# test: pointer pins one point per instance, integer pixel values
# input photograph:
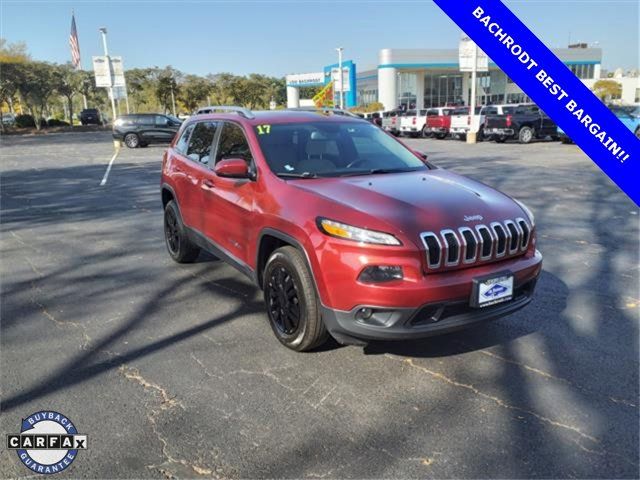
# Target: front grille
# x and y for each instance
(451, 248)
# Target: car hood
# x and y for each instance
(416, 202)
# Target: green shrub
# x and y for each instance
(25, 121)
(54, 122)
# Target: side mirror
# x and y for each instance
(422, 155)
(232, 168)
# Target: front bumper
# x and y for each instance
(441, 310)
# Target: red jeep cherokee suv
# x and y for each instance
(347, 231)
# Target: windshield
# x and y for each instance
(315, 149)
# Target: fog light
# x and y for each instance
(364, 314)
(380, 274)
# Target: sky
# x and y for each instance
(285, 36)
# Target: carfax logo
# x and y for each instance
(48, 442)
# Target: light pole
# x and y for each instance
(472, 134)
(103, 31)
(340, 49)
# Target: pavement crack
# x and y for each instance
(167, 403)
(498, 401)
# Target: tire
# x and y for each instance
(526, 134)
(480, 137)
(180, 248)
(423, 132)
(637, 132)
(293, 307)
(500, 139)
(132, 140)
(441, 136)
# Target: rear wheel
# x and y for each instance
(441, 136)
(526, 134)
(132, 140)
(178, 244)
(424, 133)
(292, 304)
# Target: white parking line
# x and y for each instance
(106, 174)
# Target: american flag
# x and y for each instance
(74, 44)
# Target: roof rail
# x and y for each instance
(335, 111)
(245, 112)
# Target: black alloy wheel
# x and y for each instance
(283, 301)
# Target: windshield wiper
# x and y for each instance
(374, 171)
(297, 175)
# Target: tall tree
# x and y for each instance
(607, 89)
(193, 91)
(68, 82)
(36, 83)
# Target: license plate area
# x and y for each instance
(491, 289)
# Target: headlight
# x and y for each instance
(527, 211)
(348, 232)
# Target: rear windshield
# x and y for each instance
(333, 149)
(90, 110)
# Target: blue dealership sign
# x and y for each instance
(544, 78)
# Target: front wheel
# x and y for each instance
(292, 304)
(132, 140)
(526, 135)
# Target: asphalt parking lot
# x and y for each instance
(173, 371)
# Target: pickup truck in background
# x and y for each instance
(391, 121)
(461, 121)
(525, 123)
(438, 122)
(412, 122)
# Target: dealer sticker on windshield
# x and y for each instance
(491, 290)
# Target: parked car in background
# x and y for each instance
(412, 122)
(8, 119)
(564, 138)
(627, 117)
(90, 116)
(374, 117)
(525, 123)
(461, 121)
(438, 122)
(391, 121)
(141, 129)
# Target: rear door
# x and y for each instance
(146, 127)
(228, 202)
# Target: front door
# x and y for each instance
(228, 202)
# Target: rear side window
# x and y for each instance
(182, 144)
(146, 120)
(201, 142)
(432, 113)
(233, 144)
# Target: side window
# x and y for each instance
(146, 120)
(181, 145)
(233, 144)
(201, 142)
(161, 121)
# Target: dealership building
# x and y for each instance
(430, 78)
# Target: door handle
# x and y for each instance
(208, 185)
